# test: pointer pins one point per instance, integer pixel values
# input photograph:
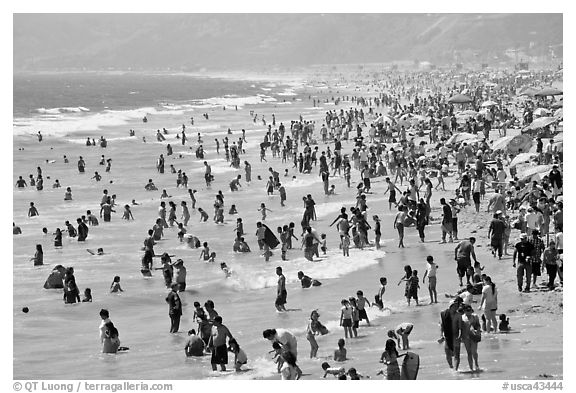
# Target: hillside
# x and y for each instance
(234, 41)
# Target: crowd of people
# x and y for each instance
(405, 136)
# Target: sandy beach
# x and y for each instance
(246, 299)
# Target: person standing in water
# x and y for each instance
(281, 293)
(218, 344)
(174, 308)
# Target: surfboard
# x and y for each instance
(270, 238)
(410, 366)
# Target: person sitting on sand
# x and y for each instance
(504, 325)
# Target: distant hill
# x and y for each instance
(236, 41)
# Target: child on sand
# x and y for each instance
(212, 257)
(345, 244)
(431, 273)
(340, 353)
(264, 209)
(233, 210)
(115, 286)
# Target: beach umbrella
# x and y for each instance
(528, 91)
(557, 104)
(541, 122)
(489, 103)
(522, 158)
(540, 112)
(459, 99)
(463, 136)
(548, 91)
(559, 114)
(530, 171)
(502, 143)
(468, 112)
(520, 142)
(384, 118)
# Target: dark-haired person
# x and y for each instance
(489, 303)
(462, 255)
(218, 344)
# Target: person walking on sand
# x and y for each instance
(470, 334)
(496, 234)
(463, 254)
(523, 250)
(431, 269)
(450, 325)
(174, 308)
(446, 221)
(281, 293)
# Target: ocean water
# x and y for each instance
(59, 103)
